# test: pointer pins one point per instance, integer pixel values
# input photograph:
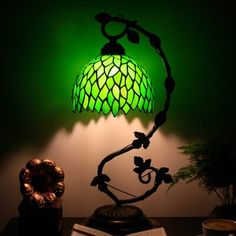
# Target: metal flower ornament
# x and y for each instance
(114, 82)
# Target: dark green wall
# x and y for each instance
(46, 43)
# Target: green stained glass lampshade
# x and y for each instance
(110, 83)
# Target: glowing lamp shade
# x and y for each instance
(110, 83)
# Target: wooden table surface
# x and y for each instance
(174, 226)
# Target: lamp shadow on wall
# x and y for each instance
(23, 127)
(31, 129)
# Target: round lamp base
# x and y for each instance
(120, 220)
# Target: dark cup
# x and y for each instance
(219, 227)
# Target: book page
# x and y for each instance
(151, 232)
(81, 230)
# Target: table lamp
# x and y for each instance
(114, 82)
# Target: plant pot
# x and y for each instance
(224, 212)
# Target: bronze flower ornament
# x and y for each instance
(41, 182)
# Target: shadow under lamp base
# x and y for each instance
(120, 220)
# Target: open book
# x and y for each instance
(81, 230)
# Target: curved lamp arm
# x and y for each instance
(142, 140)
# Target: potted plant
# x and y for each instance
(213, 165)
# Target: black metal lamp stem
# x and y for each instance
(142, 140)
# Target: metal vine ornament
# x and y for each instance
(112, 82)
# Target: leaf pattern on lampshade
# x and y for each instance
(110, 83)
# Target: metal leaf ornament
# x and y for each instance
(102, 17)
(133, 36)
